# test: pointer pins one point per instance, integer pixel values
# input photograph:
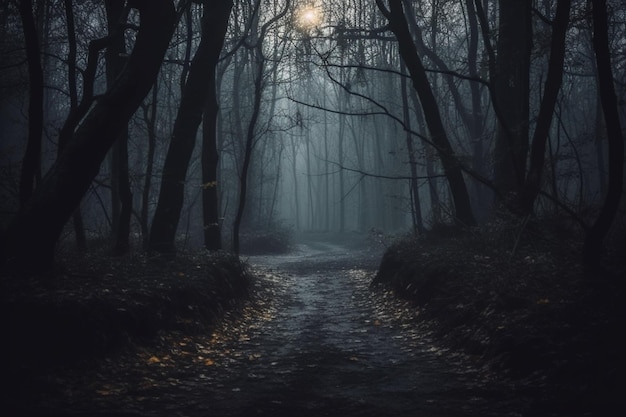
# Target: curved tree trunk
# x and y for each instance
(546, 111)
(171, 196)
(593, 246)
(79, 228)
(32, 235)
(398, 25)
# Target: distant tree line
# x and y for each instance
(192, 123)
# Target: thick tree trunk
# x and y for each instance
(452, 170)
(121, 196)
(546, 110)
(482, 196)
(594, 240)
(31, 237)
(171, 196)
(511, 85)
(210, 156)
(31, 164)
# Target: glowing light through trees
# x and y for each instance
(308, 17)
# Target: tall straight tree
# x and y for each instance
(251, 134)
(121, 197)
(594, 240)
(210, 156)
(511, 88)
(30, 239)
(452, 170)
(194, 98)
(79, 228)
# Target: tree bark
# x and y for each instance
(593, 247)
(398, 25)
(31, 237)
(194, 98)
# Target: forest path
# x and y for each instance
(333, 347)
(314, 340)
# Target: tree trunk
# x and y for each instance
(593, 246)
(210, 157)
(31, 164)
(511, 85)
(79, 228)
(482, 196)
(31, 237)
(193, 101)
(121, 196)
(452, 170)
(150, 115)
(418, 223)
(247, 157)
(546, 110)
(252, 124)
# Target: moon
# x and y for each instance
(308, 17)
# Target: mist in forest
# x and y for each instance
(296, 116)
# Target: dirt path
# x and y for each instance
(334, 348)
(316, 341)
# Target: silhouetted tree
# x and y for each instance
(31, 164)
(121, 196)
(594, 241)
(194, 98)
(210, 156)
(31, 237)
(398, 25)
(251, 133)
(546, 110)
(511, 85)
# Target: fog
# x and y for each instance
(316, 103)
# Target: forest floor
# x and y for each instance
(516, 300)
(494, 323)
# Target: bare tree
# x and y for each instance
(398, 25)
(594, 240)
(251, 134)
(31, 164)
(31, 237)
(194, 98)
(121, 196)
(546, 111)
